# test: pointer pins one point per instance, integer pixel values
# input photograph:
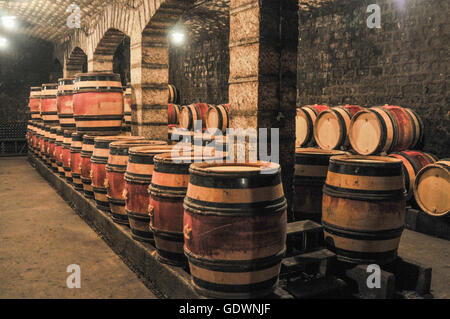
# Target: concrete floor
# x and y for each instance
(41, 235)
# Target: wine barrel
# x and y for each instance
(98, 103)
(127, 108)
(99, 159)
(235, 228)
(432, 188)
(75, 160)
(51, 149)
(172, 134)
(311, 167)
(173, 94)
(332, 126)
(173, 113)
(42, 143)
(363, 208)
(167, 191)
(413, 162)
(64, 103)
(46, 139)
(304, 124)
(385, 129)
(218, 118)
(138, 177)
(192, 113)
(66, 155)
(86, 152)
(35, 102)
(49, 110)
(58, 151)
(115, 171)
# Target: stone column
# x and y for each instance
(262, 87)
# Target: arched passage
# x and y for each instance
(75, 63)
(103, 56)
(150, 71)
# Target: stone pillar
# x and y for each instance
(262, 89)
(100, 63)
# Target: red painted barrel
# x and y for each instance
(35, 102)
(49, 110)
(51, 149)
(138, 177)
(413, 162)
(173, 113)
(98, 103)
(46, 138)
(99, 160)
(75, 160)
(86, 153)
(235, 228)
(192, 113)
(58, 151)
(64, 103)
(66, 156)
(115, 171)
(167, 191)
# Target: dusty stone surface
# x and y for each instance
(41, 235)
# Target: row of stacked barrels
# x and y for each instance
(385, 130)
(180, 201)
(213, 117)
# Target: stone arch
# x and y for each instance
(150, 70)
(75, 63)
(103, 55)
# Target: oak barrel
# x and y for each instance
(64, 103)
(86, 152)
(385, 129)
(332, 127)
(192, 113)
(138, 177)
(167, 191)
(432, 188)
(311, 167)
(304, 124)
(174, 96)
(99, 159)
(218, 118)
(58, 151)
(46, 138)
(235, 228)
(35, 102)
(98, 103)
(363, 208)
(413, 162)
(75, 160)
(66, 155)
(49, 110)
(115, 171)
(173, 113)
(127, 108)
(51, 149)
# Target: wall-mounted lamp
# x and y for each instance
(9, 22)
(177, 36)
(3, 42)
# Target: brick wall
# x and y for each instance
(404, 63)
(200, 70)
(26, 62)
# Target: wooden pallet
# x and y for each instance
(311, 271)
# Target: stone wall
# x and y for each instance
(405, 62)
(200, 70)
(26, 62)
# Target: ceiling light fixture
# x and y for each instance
(3, 42)
(9, 22)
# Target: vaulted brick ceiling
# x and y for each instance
(47, 19)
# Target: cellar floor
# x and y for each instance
(41, 235)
